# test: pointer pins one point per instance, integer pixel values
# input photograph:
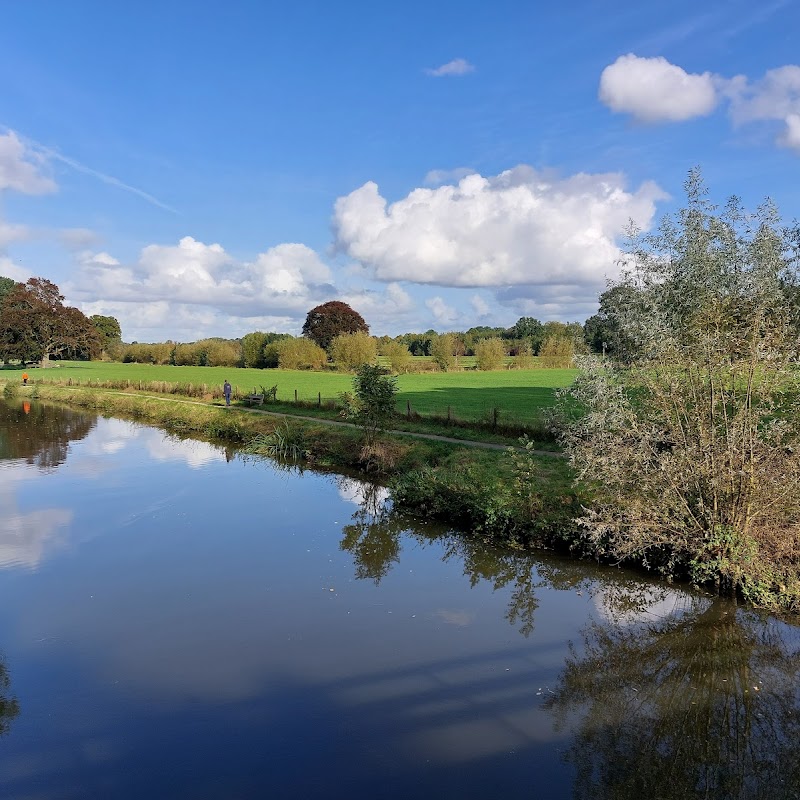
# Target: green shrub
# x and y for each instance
(301, 353)
(349, 351)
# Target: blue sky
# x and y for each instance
(198, 168)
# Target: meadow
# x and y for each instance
(518, 395)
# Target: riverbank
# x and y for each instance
(522, 501)
(512, 496)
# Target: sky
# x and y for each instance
(204, 169)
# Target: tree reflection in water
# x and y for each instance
(41, 435)
(703, 703)
(9, 706)
(373, 539)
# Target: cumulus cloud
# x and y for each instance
(285, 278)
(520, 227)
(653, 90)
(21, 168)
(775, 97)
(456, 67)
(479, 306)
(443, 313)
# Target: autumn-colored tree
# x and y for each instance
(35, 324)
(349, 351)
(324, 323)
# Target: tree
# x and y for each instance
(443, 350)
(490, 354)
(109, 331)
(398, 356)
(691, 451)
(300, 354)
(372, 402)
(253, 349)
(35, 324)
(350, 350)
(530, 329)
(6, 285)
(324, 323)
(602, 332)
(557, 352)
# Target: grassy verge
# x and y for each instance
(486, 493)
(505, 397)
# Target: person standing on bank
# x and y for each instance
(226, 390)
(24, 378)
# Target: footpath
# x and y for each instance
(321, 421)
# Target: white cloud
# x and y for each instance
(284, 279)
(443, 313)
(519, 227)
(775, 97)
(479, 305)
(791, 136)
(20, 167)
(653, 90)
(10, 232)
(458, 66)
(8, 269)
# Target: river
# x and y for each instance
(179, 621)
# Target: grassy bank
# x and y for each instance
(519, 396)
(483, 492)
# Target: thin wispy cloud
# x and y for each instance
(110, 180)
(454, 68)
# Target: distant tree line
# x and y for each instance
(36, 325)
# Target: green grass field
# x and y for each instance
(471, 395)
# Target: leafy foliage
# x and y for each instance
(691, 451)
(35, 325)
(443, 349)
(398, 356)
(350, 350)
(372, 402)
(300, 354)
(490, 354)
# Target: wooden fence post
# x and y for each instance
(319, 399)
(408, 409)
(295, 395)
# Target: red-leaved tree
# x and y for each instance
(324, 323)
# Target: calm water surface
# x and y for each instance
(178, 622)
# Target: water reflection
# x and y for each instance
(374, 540)
(40, 434)
(9, 705)
(703, 703)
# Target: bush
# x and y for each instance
(443, 350)
(349, 351)
(556, 352)
(490, 354)
(372, 401)
(300, 353)
(690, 449)
(398, 356)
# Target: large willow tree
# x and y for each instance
(689, 450)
